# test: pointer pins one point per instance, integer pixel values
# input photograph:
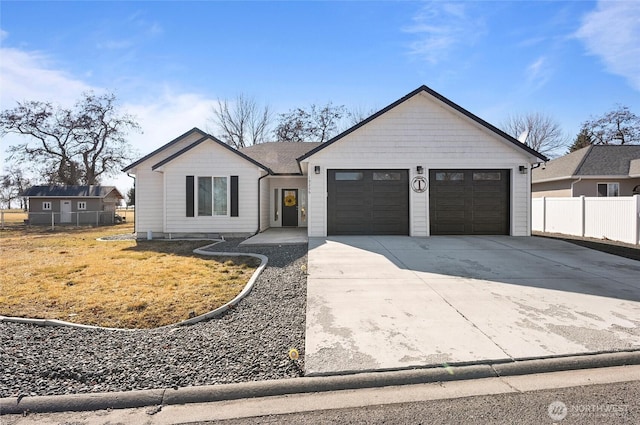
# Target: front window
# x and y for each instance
(212, 196)
(220, 195)
(46, 206)
(82, 205)
(608, 189)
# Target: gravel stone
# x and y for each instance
(250, 342)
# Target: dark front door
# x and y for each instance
(469, 202)
(289, 207)
(368, 202)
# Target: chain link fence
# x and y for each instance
(19, 218)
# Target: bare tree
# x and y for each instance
(77, 145)
(317, 124)
(242, 121)
(359, 114)
(12, 184)
(294, 126)
(542, 132)
(617, 127)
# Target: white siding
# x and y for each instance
(210, 159)
(420, 131)
(149, 188)
(278, 183)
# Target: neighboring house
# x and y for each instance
(597, 170)
(72, 204)
(421, 166)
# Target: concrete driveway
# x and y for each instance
(387, 302)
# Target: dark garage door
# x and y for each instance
(368, 202)
(469, 202)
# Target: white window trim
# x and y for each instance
(197, 198)
(46, 205)
(82, 205)
(607, 183)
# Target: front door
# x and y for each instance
(289, 207)
(65, 211)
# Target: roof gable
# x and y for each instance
(164, 147)
(442, 99)
(71, 192)
(210, 138)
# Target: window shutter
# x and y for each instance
(234, 196)
(189, 192)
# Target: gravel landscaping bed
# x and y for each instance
(249, 343)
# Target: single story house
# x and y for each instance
(596, 170)
(421, 166)
(72, 204)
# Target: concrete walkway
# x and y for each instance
(279, 236)
(397, 302)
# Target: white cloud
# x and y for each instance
(163, 116)
(441, 28)
(538, 73)
(611, 32)
(3, 35)
(30, 76)
(167, 116)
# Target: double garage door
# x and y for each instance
(376, 202)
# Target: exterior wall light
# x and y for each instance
(316, 169)
(523, 169)
(420, 169)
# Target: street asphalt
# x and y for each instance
(598, 396)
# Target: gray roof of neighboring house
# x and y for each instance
(594, 160)
(71, 192)
(280, 157)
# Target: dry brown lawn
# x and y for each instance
(67, 274)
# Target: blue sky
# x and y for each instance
(169, 61)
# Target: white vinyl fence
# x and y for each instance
(614, 218)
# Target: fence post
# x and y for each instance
(97, 218)
(544, 214)
(635, 224)
(1, 219)
(53, 221)
(582, 216)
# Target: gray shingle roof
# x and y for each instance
(71, 191)
(280, 157)
(595, 160)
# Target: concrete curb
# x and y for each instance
(210, 315)
(209, 393)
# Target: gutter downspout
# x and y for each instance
(259, 180)
(134, 193)
(574, 182)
